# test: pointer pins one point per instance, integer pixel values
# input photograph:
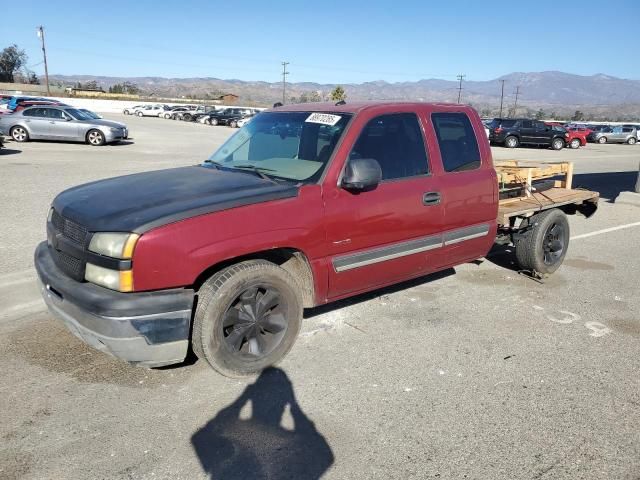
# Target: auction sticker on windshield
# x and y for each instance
(323, 118)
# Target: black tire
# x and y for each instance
(557, 144)
(632, 141)
(19, 134)
(602, 139)
(125, 111)
(575, 143)
(95, 138)
(233, 124)
(139, 114)
(213, 121)
(543, 248)
(225, 333)
(511, 142)
(186, 117)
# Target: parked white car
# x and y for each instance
(151, 110)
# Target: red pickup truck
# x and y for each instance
(303, 206)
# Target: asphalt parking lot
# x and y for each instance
(476, 372)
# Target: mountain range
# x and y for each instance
(551, 90)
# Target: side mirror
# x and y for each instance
(361, 175)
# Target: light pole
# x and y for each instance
(284, 81)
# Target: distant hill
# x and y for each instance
(552, 91)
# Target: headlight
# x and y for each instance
(115, 129)
(115, 245)
(119, 280)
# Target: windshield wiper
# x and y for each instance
(218, 165)
(257, 170)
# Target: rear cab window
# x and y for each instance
(457, 141)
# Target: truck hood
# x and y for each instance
(137, 203)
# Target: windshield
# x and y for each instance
(77, 114)
(289, 145)
(90, 114)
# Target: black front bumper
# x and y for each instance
(146, 328)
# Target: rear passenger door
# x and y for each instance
(544, 133)
(390, 233)
(469, 189)
(528, 132)
(37, 122)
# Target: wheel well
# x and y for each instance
(290, 259)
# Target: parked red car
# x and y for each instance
(576, 138)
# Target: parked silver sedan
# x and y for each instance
(61, 123)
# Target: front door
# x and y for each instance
(387, 234)
(61, 125)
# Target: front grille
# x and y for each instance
(74, 267)
(69, 228)
(77, 234)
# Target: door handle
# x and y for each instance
(431, 198)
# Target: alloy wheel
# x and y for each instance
(19, 134)
(95, 138)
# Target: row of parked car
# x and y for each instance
(33, 118)
(234, 117)
(513, 132)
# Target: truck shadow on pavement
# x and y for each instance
(231, 446)
(609, 184)
(9, 151)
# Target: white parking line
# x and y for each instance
(605, 230)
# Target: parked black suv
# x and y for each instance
(227, 116)
(512, 132)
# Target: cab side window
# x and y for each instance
(34, 112)
(396, 142)
(457, 141)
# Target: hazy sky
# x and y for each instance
(329, 41)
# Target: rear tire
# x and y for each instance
(19, 134)
(632, 141)
(575, 143)
(511, 142)
(233, 124)
(139, 114)
(247, 318)
(543, 248)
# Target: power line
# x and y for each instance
(284, 81)
(44, 54)
(460, 78)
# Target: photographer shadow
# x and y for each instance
(231, 446)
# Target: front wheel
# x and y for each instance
(247, 317)
(557, 144)
(214, 122)
(233, 124)
(95, 138)
(186, 117)
(602, 140)
(19, 134)
(542, 249)
(139, 114)
(511, 142)
(575, 143)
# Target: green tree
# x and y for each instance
(540, 114)
(577, 116)
(315, 97)
(11, 61)
(33, 79)
(338, 94)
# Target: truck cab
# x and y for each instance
(304, 205)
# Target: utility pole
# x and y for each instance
(515, 104)
(284, 81)
(460, 78)
(501, 97)
(44, 53)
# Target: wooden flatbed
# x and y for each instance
(519, 177)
